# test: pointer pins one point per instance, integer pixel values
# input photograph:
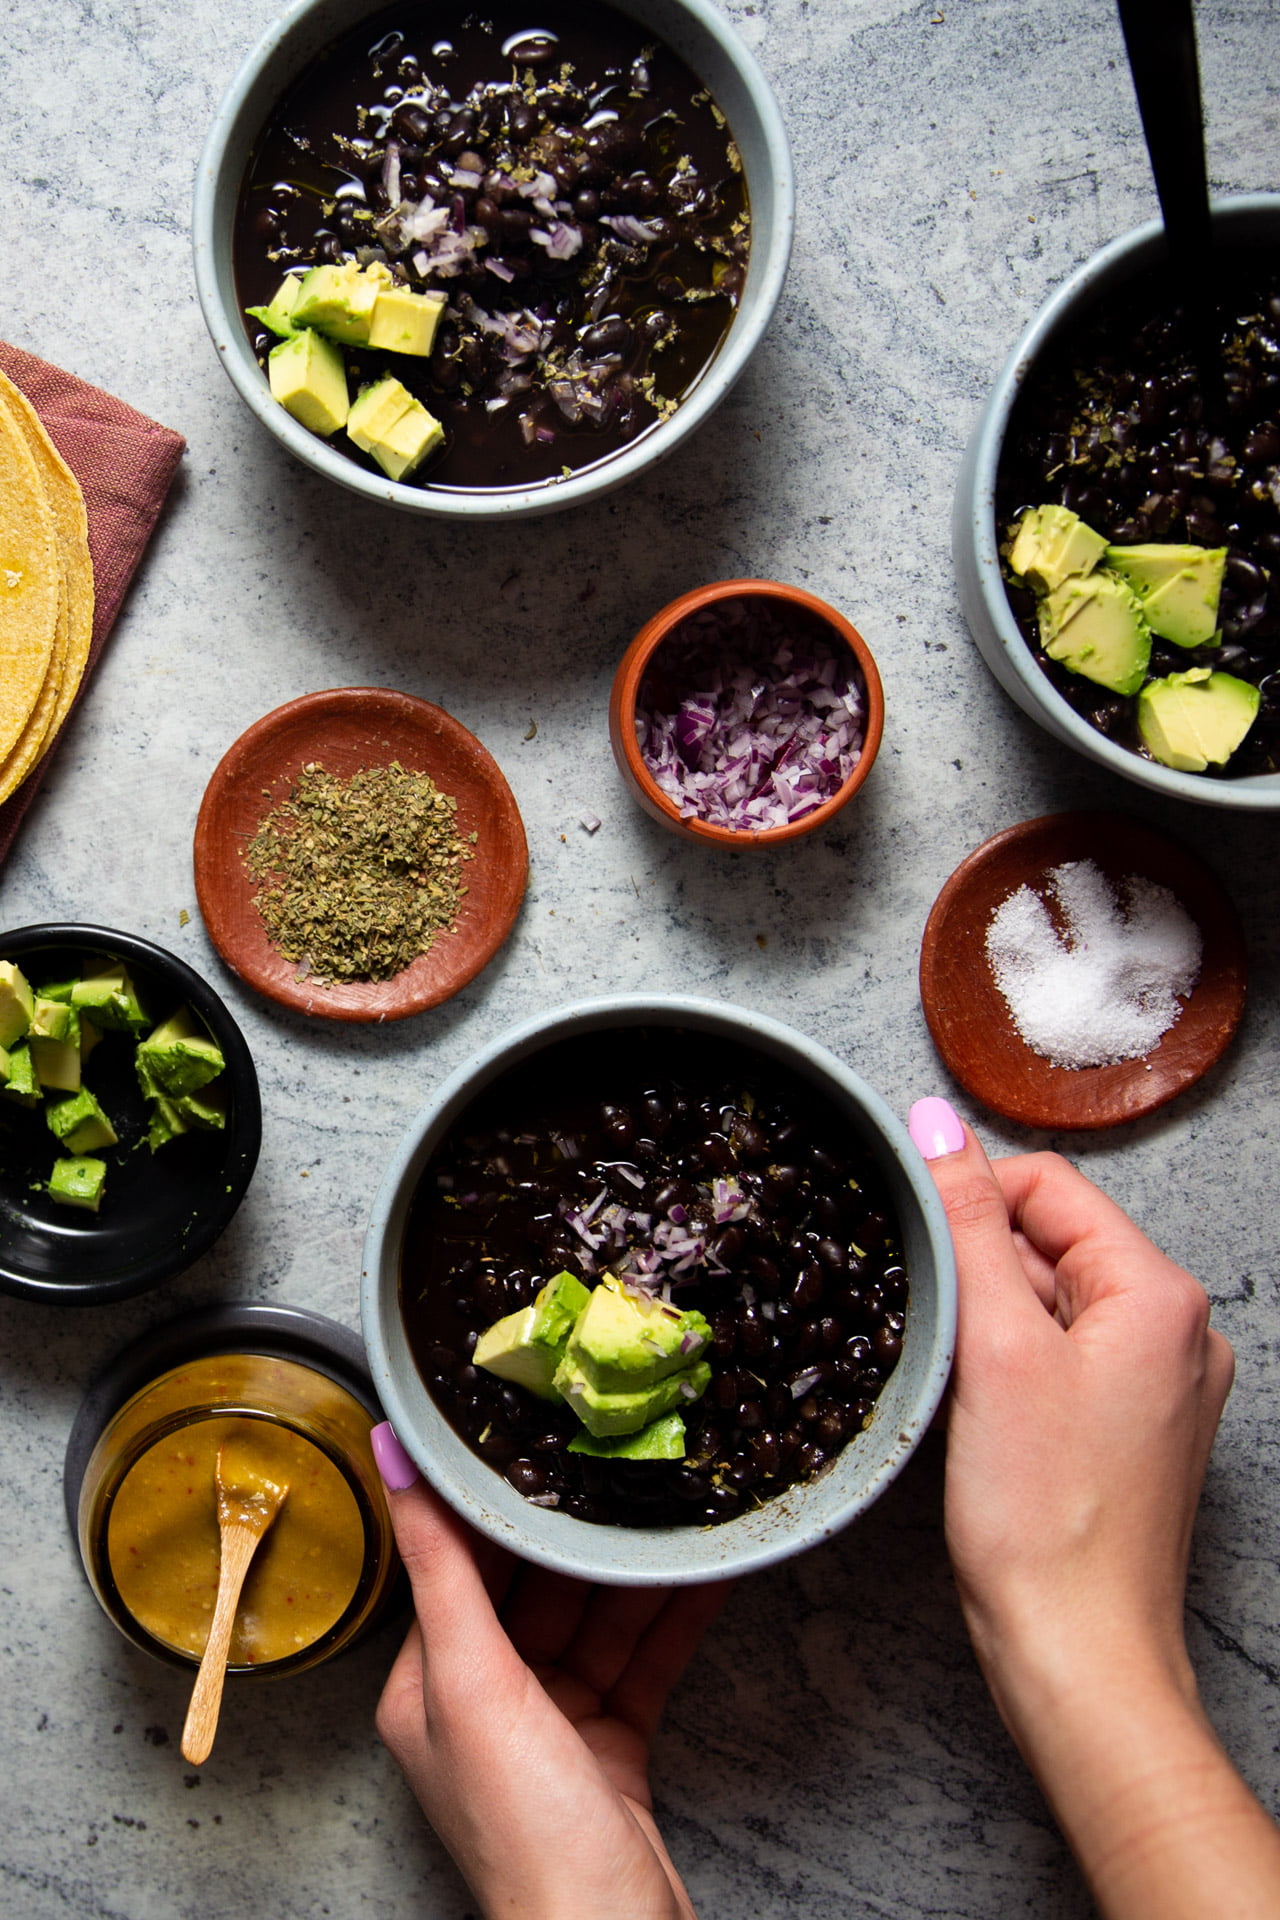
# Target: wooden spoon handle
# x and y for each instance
(238, 1544)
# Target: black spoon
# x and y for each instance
(1160, 39)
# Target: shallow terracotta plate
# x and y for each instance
(971, 1024)
(345, 729)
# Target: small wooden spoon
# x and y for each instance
(248, 1502)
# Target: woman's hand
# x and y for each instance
(1087, 1391)
(521, 1708)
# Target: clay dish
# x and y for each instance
(806, 610)
(344, 729)
(970, 1022)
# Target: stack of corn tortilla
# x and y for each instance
(46, 589)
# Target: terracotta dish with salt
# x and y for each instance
(346, 730)
(971, 1022)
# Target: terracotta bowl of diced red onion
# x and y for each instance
(746, 713)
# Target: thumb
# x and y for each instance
(457, 1578)
(996, 1294)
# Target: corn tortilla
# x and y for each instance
(73, 628)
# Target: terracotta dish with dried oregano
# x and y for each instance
(359, 855)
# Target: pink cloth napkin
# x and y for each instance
(125, 464)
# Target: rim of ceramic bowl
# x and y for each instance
(792, 1521)
(108, 1264)
(626, 688)
(1246, 218)
(692, 28)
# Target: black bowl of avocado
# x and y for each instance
(130, 1120)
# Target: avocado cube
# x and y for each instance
(21, 1083)
(17, 1003)
(662, 1439)
(1051, 545)
(78, 1182)
(277, 316)
(51, 1019)
(397, 430)
(309, 379)
(58, 990)
(405, 322)
(339, 300)
(1179, 587)
(604, 1413)
(111, 997)
(1197, 719)
(56, 1062)
(178, 1056)
(623, 1340)
(205, 1107)
(80, 1123)
(1095, 626)
(166, 1122)
(526, 1347)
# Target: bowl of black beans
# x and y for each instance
(1142, 436)
(490, 264)
(657, 1290)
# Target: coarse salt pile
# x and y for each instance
(750, 716)
(1103, 984)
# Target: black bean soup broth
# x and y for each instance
(564, 179)
(686, 1164)
(1116, 424)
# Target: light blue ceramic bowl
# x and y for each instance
(1252, 220)
(799, 1518)
(705, 41)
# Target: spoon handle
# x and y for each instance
(1160, 39)
(238, 1545)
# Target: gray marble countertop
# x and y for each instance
(833, 1751)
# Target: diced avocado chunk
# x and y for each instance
(1094, 625)
(204, 1107)
(661, 1440)
(604, 1413)
(54, 1019)
(78, 1182)
(166, 1122)
(112, 999)
(21, 1084)
(309, 379)
(58, 990)
(1196, 719)
(80, 1123)
(277, 316)
(405, 322)
(388, 423)
(624, 1340)
(526, 1347)
(339, 300)
(17, 1003)
(178, 1056)
(1179, 587)
(57, 1063)
(1051, 545)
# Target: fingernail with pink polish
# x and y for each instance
(935, 1127)
(394, 1464)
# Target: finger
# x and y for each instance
(541, 1613)
(996, 1296)
(1096, 1249)
(612, 1625)
(450, 1570)
(661, 1656)
(399, 1718)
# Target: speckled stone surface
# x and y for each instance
(833, 1751)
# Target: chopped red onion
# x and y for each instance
(804, 1381)
(750, 715)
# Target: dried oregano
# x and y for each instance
(356, 877)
